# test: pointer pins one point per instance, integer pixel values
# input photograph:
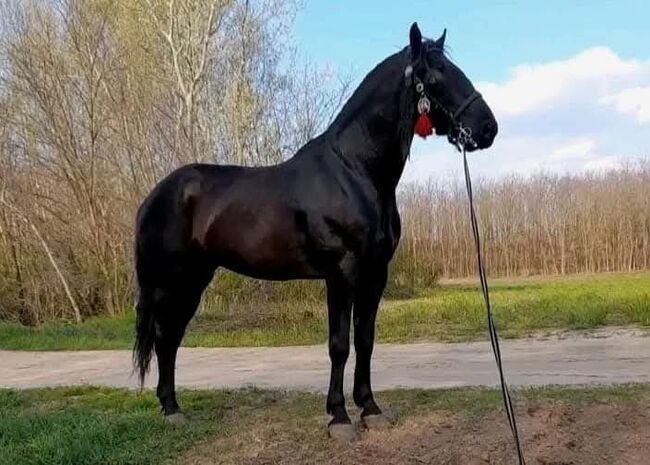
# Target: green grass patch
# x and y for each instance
(87, 426)
(455, 311)
(101, 333)
(452, 311)
(93, 426)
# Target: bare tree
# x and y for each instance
(102, 99)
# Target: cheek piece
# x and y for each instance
(459, 135)
(424, 125)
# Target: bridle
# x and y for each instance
(459, 135)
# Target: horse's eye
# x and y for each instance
(435, 76)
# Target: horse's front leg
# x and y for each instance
(367, 297)
(339, 306)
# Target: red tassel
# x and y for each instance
(424, 127)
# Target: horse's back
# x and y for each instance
(294, 220)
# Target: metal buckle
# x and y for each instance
(424, 105)
(463, 138)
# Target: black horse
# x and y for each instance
(327, 213)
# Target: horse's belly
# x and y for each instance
(263, 246)
(273, 261)
(272, 272)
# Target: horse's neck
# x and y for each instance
(370, 131)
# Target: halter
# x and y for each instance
(459, 135)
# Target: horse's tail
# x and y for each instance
(145, 331)
(145, 335)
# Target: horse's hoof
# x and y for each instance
(375, 422)
(176, 419)
(343, 433)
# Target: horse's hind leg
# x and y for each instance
(173, 270)
(175, 305)
(176, 309)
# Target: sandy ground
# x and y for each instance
(604, 357)
(553, 434)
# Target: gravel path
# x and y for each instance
(606, 357)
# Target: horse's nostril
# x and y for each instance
(489, 130)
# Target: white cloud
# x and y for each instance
(603, 163)
(578, 149)
(534, 87)
(633, 101)
(559, 156)
(521, 155)
(578, 155)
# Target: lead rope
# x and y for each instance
(494, 337)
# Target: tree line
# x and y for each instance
(540, 224)
(101, 99)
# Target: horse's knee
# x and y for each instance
(364, 339)
(339, 348)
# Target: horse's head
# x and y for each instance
(457, 110)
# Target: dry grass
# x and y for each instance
(539, 225)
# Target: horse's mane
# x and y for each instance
(373, 79)
(384, 72)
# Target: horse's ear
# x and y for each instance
(440, 43)
(416, 41)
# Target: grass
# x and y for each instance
(100, 426)
(92, 426)
(452, 311)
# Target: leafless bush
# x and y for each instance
(543, 224)
(101, 99)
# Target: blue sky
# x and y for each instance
(569, 81)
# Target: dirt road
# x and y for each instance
(603, 358)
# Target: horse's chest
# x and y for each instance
(387, 236)
(382, 231)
